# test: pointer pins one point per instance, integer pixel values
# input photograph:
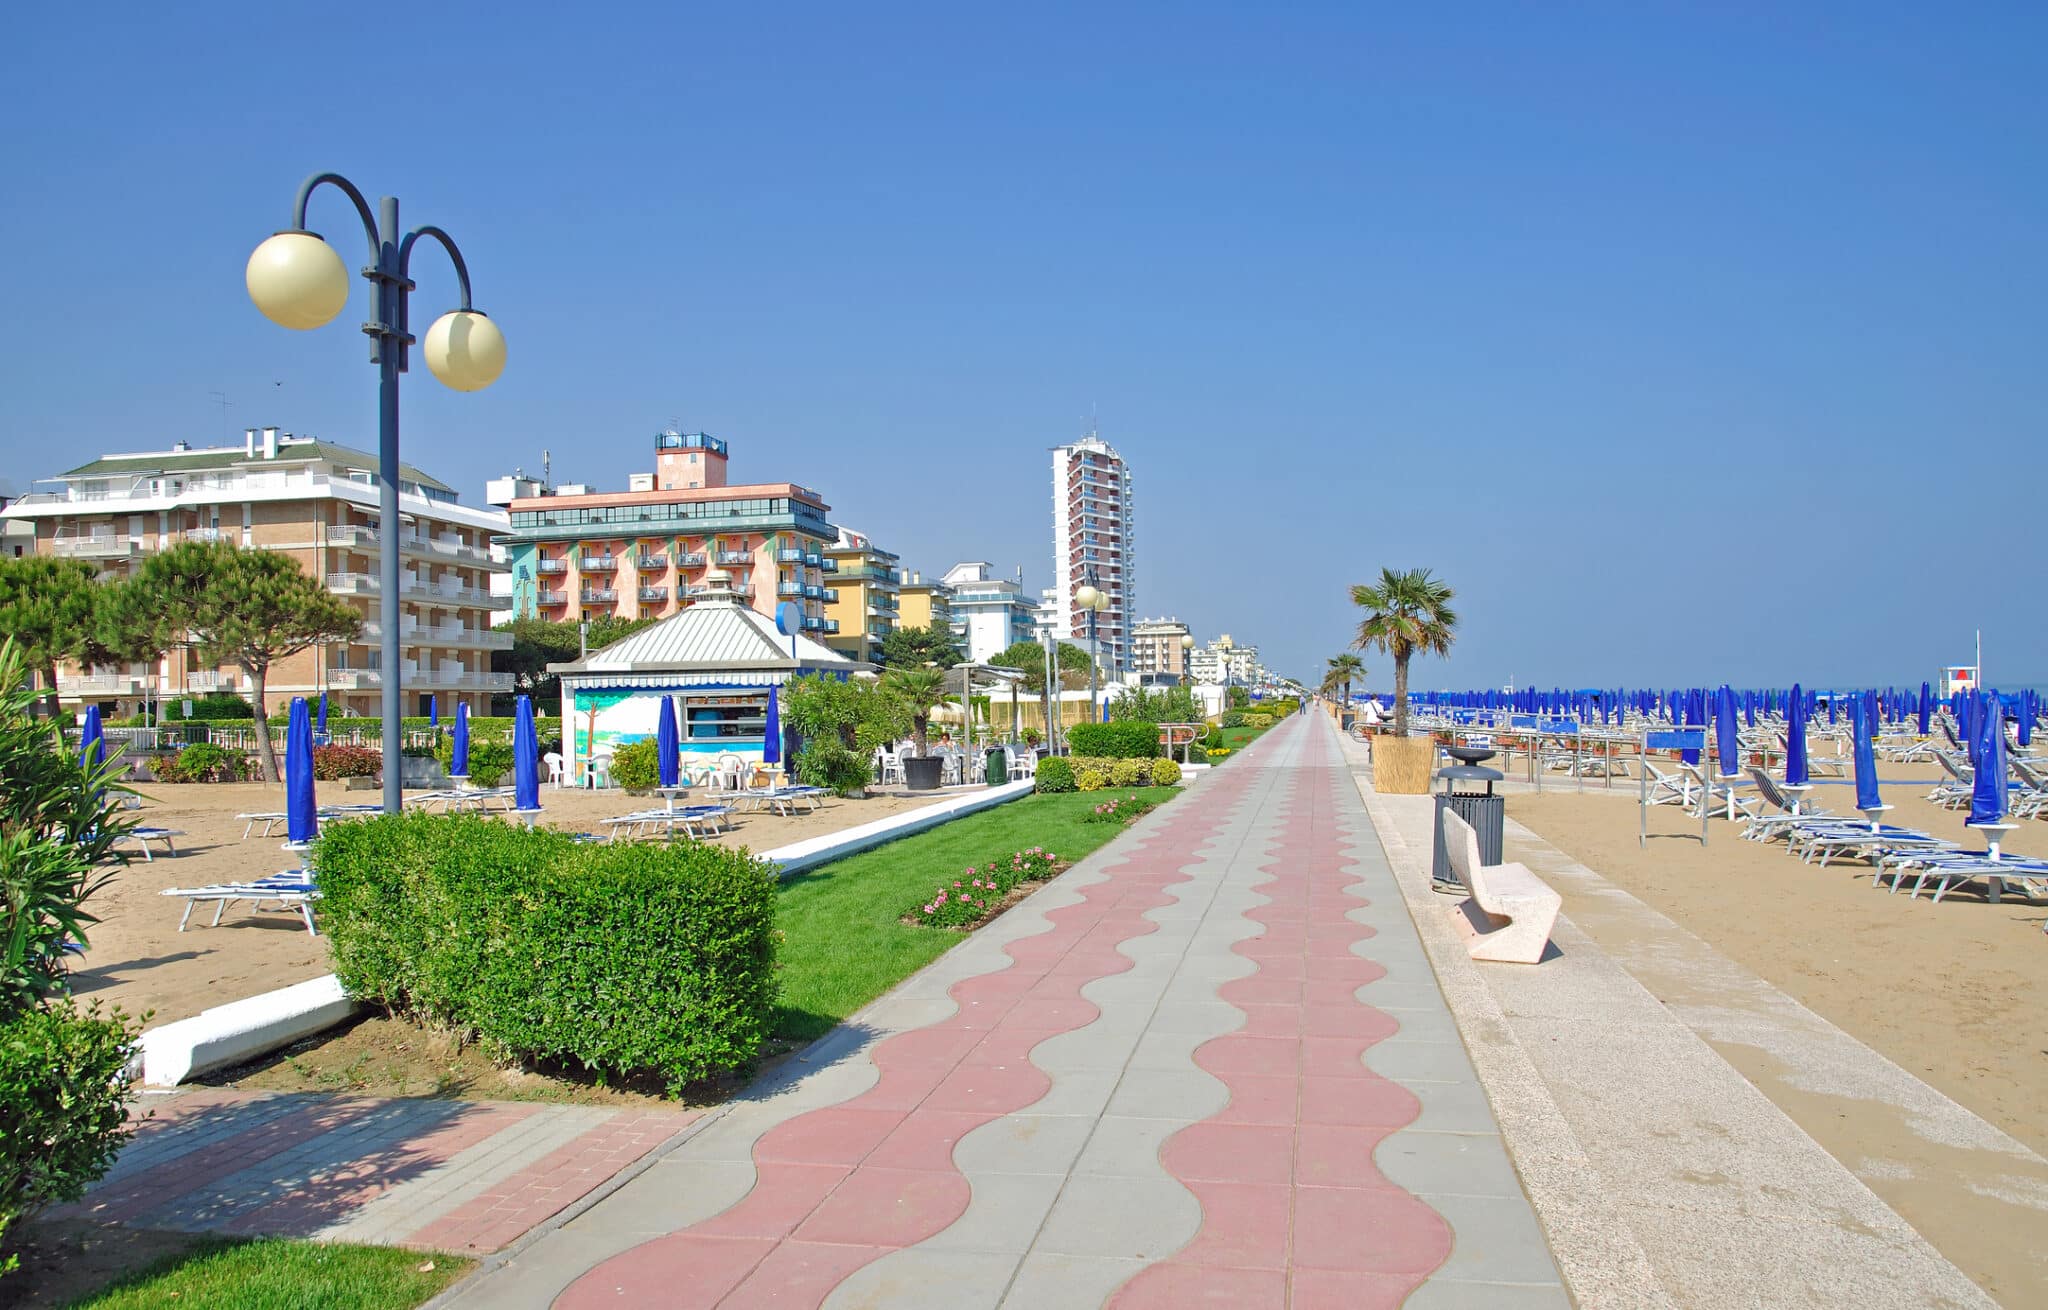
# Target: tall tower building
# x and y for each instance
(1092, 527)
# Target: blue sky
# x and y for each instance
(1690, 343)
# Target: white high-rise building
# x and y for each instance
(1092, 529)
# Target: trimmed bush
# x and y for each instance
(637, 767)
(628, 959)
(1198, 754)
(1260, 721)
(64, 1083)
(224, 705)
(1130, 773)
(203, 761)
(1054, 774)
(1130, 739)
(1231, 719)
(1091, 779)
(490, 759)
(826, 762)
(1165, 773)
(333, 762)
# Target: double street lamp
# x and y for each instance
(1095, 600)
(299, 282)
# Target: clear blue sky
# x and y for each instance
(1690, 343)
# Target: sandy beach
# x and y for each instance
(1957, 993)
(139, 960)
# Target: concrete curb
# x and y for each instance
(798, 856)
(240, 1030)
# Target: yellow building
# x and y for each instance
(921, 603)
(864, 604)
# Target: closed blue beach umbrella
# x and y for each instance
(1926, 707)
(1987, 783)
(771, 730)
(1727, 741)
(458, 750)
(92, 744)
(665, 742)
(2029, 704)
(525, 758)
(1867, 797)
(434, 711)
(301, 811)
(322, 725)
(1795, 739)
(1695, 716)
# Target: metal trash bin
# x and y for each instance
(998, 767)
(1486, 812)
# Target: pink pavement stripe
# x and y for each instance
(518, 1202)
(163, 1183)
(1289, 1193)
(330, 1194)
(840, 1187)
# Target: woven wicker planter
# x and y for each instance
(1401, 766)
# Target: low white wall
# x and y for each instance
(241, 1030)
(798, 856)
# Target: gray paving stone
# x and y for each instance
(1457, 1294)
(1004, 1215)
(1165, 1094)
(1127, 1148)
(924, 1278)
(1463, 1164)
(1453, 1107)
(1024, 1144)
(1131, 1218)
(1499, 1240)
(1076, 1093)
(1406, 1058)
(1046, 1281)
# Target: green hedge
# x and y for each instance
(490, 758)
(1131, 739)
(1054, 775)
(625, 959)
(63, 1106)
(637, 766)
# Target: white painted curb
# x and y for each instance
(798, 856)
(241, 1030)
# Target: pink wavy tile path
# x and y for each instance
(840, 1187)
(1294, 1211)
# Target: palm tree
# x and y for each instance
(1343, 670)
(1406, 613)
(920, 690)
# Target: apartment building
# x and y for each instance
(576, 553)
(1224, 660)
(316, 502)
(1094, 536)
(922, 603)
(990, 614)
(866, 604)
(1159, 646)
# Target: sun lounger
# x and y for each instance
(1766, 826)
(292, 892)
(1521, 906)
(142, 837)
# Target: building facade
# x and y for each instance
(316, 502)
(1158, 647)
(575, 553)
(1224, 660)
(923, 603)
(1093, 529)
(866, 605)
(990, 614)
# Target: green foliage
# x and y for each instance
(1054, 774)
(979, 890)
(1198, 753)
(826, 762)
(49, 606)
(537, 643)
(1089, 778)
(1129, 739)
(861, 714)
(203, 761)
(332, 763)
(623, 959)
(1029, 658)
(1230, 719)
(1128, 773)
(64, 1088)
(1407, 613)
(490, 756)
(1156, 705)
(1165, 773)
(1261, 721)
(245, 607)
(1124, 772)
(278, 1273)
(218, 706)
(636, 766)
(913, 648)
(1124, 810)
(919, 692)
(1239, 697)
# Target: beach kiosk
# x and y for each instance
(717, 660)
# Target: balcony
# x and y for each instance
(789, 557)
(829, 565)
(354, 679)
(545, 566)
(97, 546)
(812, 623)
(599, 595)
(789, 589)
(99, 684)
(546, 597)
(205, 681)
(814, 560)
(598, 563)
(735, 557)
(880, 611)
(654, 595)
(352, 534)
(651, 563)
(690, 559)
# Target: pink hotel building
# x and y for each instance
(1092, 525)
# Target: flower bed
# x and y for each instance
(1125, 810)
(981, 891)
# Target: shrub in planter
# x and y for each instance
(637, 767)
(1130, 773)
(826, 762)
(1129, 739)
(1090, 779)
(1165, 773)
(64, 1085)
(333, 762)
(1054, 775)
(656, 959)
(203, 761)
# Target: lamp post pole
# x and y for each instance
(298, 281)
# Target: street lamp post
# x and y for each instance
(1093, 599)
(299, 282)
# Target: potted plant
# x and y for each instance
(1407, 612)
(920, 691)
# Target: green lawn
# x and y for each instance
(843, 944)
(277, 1274)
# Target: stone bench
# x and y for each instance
(1519, 904)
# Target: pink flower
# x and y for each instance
(930, 909)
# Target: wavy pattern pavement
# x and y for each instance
(1294, 1209)
(839, 1187)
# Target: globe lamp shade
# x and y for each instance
(1187, 641)
(465, 350)
(1086, 597)
(297, 280)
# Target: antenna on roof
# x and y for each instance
(221, 398)
(547, 477)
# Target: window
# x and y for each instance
(726, 718)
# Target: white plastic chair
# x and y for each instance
(558, 769)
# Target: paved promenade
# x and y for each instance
(1210, 1066)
